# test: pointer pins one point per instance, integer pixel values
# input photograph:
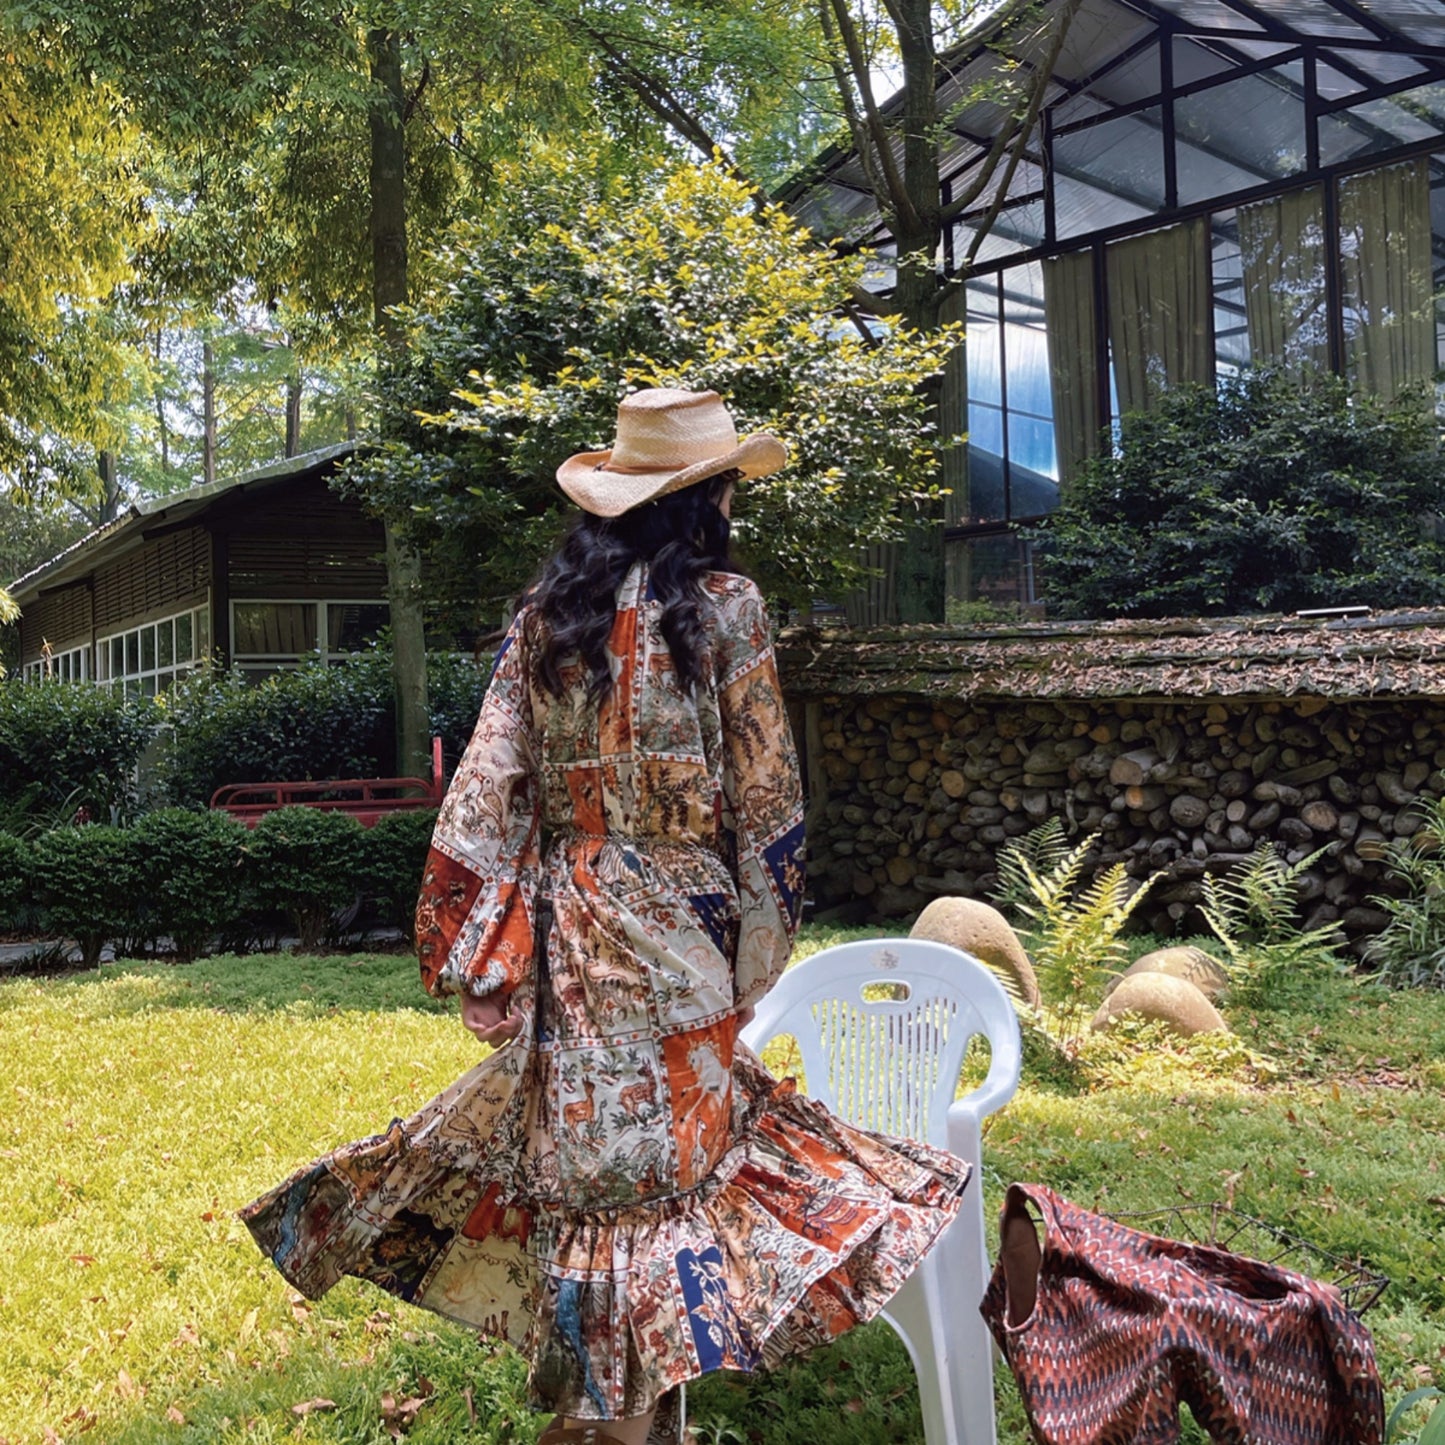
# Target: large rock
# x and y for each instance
(1191, 964)
(984, 932)
(1162, 998)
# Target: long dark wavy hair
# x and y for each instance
(680, 536)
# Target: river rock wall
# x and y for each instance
(910, 799)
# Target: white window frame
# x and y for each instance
(289, 661)
(132, 681)
(71, 664)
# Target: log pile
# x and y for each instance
(910, 798)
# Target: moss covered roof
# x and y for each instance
(1398, 654)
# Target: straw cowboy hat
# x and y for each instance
(666, 440)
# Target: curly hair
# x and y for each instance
(680, 536)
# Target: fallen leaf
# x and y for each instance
(82, 1259)
(174, 1415)
(470, 1404)
(398, 1418)
(307, 1407)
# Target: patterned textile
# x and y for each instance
(1108, 1329)
(623, 1191)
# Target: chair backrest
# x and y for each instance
(883, 1026)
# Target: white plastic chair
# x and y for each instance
(888, 1058)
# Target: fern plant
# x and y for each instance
(1409, 952)
(1042, 849)
(1076, 933)
(1251, 910)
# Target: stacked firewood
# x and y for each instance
(912, 799)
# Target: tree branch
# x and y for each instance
(1041, 85)
(899, 200)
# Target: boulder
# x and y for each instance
(1191, 964)
(1161, 997)
(984, 932)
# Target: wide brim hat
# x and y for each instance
(666, 440)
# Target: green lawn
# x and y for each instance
(145, 1104)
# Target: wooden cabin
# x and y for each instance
(258, 571)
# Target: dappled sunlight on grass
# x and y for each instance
(146, 1104)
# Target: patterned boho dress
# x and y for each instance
(623, 1191)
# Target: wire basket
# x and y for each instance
(1221, 1227)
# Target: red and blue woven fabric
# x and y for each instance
(1108, 1330)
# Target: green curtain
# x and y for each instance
(1387, 288)
(1159, 312)
(1073, 359)
(1282, 244)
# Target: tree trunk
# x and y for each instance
(389, 289)
(918, 231)
(293, 415)
(105, 464)
(208, 413)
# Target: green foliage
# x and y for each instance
(1252, 911)
(1266, 495)
(314, 722)
(576, 293)
(71, 743)
(1043, 849)
(1433, 1431)
(1075, 934)
(187, 867)
(307, 863)
(1409, 952)
(393, 855)
(86, 884)
(14, 879)
(455, 687)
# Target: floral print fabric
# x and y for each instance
(623, 1190)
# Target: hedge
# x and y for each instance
(197, 878)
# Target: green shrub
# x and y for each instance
(86, 885)
(308, 863)
(393, 856)
(1265, 495)
(14, 880)
(65, 746)
(188, 868)
(315, 722)
(455, 687)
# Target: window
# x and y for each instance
(72, 665)
(273, 635)
(146, 660)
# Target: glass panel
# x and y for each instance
(165, 643)
(1381, 125)
(985, 367)
(351, 625)
(117, 656)
(147, 648)
(1240, 133)
(183, 638)
(1231, 333)
(275, 629)
(986, 496)
(132, 652)
(992, 569)
(164, 680)
(1032, 467)
(203, 634)
(148, 686)
(1118, 160)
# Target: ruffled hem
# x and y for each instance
(805, 1229)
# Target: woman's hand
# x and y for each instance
(491, 1019)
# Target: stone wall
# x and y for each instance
(910, 798)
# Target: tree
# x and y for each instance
(549, 315)
(70, 215)
(1267, 495)
(897, 150)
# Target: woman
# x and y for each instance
(615, 879)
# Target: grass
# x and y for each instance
(144, 1104)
